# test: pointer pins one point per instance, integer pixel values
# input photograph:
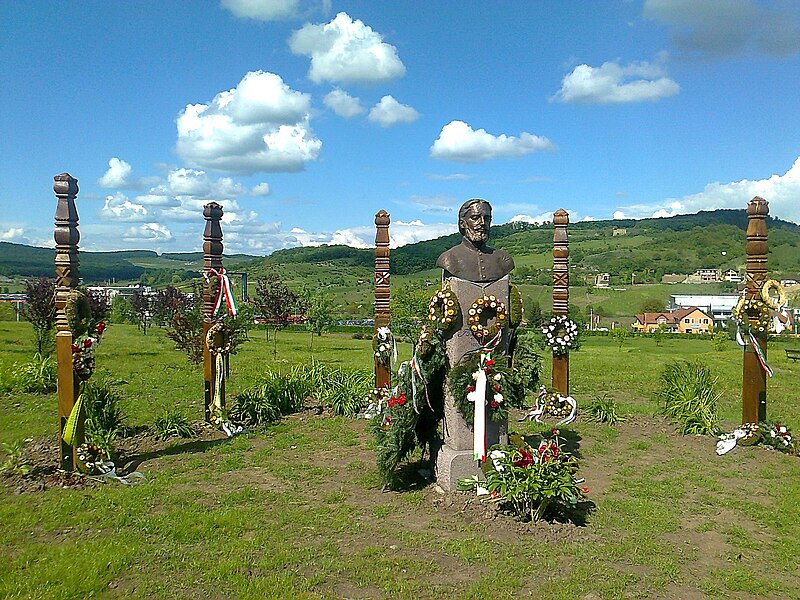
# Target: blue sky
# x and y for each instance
(304, 118)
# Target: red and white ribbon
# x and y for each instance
(223, 291)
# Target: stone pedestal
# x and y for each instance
(454, 459)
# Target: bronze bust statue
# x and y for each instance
(472, 259)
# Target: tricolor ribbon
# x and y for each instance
(223, 291)
(416, 373)
(478, 398)
(760, 354)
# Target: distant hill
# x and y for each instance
(680, 244)
(647, 248)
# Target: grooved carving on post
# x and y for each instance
(561, 293)
(212, 259)
(66, 236)
(754, 379)
(382, 288)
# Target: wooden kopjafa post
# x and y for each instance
(382, 289)
(561, 293)
(754, 379)
(66, 237)
(212, 259)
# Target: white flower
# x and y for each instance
(497, 456)
(497, 377)
(498, 398)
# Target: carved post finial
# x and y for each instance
(66, 236)
(560, 377)
(382, 287)
(754, 379)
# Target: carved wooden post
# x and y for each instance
(212, 259)
(561, 294)
(66, 237)
(382, 289)
(754, 379)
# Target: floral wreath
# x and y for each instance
(773, 303)
(216, 329)
(384, 347)
(551, 405)
(561, 334)
(485, 306)
(752, 313)
(78, 312)
(443, 309)
(503, 388)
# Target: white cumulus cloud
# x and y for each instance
(389, 112)
(261, 189)
(118, 174)
(346, 51)
(261, 125)
(614, 83)
(147, 232)
(618, 215)
(119, 208)
(12, 234)
(343, 104)
(459, 142)
(262, 10)
(781, 191)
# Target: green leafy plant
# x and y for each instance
(719, 341)
(603, 410)
(105, 416)
(173, 423)
(528, 481)
(620, 335)
(35, 376)
(688, 395)
(15, 463)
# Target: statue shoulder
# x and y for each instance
(447, 259)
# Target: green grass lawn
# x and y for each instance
(295, 510)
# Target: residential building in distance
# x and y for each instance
(719, 306)
(690, 320)
(732, 275)
(602, 280)
(705, 276)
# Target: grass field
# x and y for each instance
(295, 510)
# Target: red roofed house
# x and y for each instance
(682, 320)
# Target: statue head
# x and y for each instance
(474, 220)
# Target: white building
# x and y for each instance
(720, 306)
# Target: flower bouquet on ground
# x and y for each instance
(529, 481)
(774, 435)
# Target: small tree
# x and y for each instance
(277, 303)
(319, 314)
(40, 310)
(166, 304)
(719, 340)
(409, 308)
(99, 306)
(658, 333)
(620, 335)
(652, 305)
(140, 305)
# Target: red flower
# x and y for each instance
(497, 388)
(75, 348)
(87, 343)
(392, 401)
(489, 362)
(555, 431)
(101, 327)
(585, 490)
(401, 400)
(525, 459)
(470, 388)
(494, 494)
(493, 404)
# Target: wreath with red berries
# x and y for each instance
(503, 388)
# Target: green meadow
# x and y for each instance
(296, 510)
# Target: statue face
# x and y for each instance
(476, 223)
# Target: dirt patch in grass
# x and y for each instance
(329, 462)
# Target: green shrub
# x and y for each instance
(105, 417)
(603, 410)
(36, 376)
(173, 422)
(15, 463)
(688, 396)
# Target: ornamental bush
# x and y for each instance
(688, 395)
